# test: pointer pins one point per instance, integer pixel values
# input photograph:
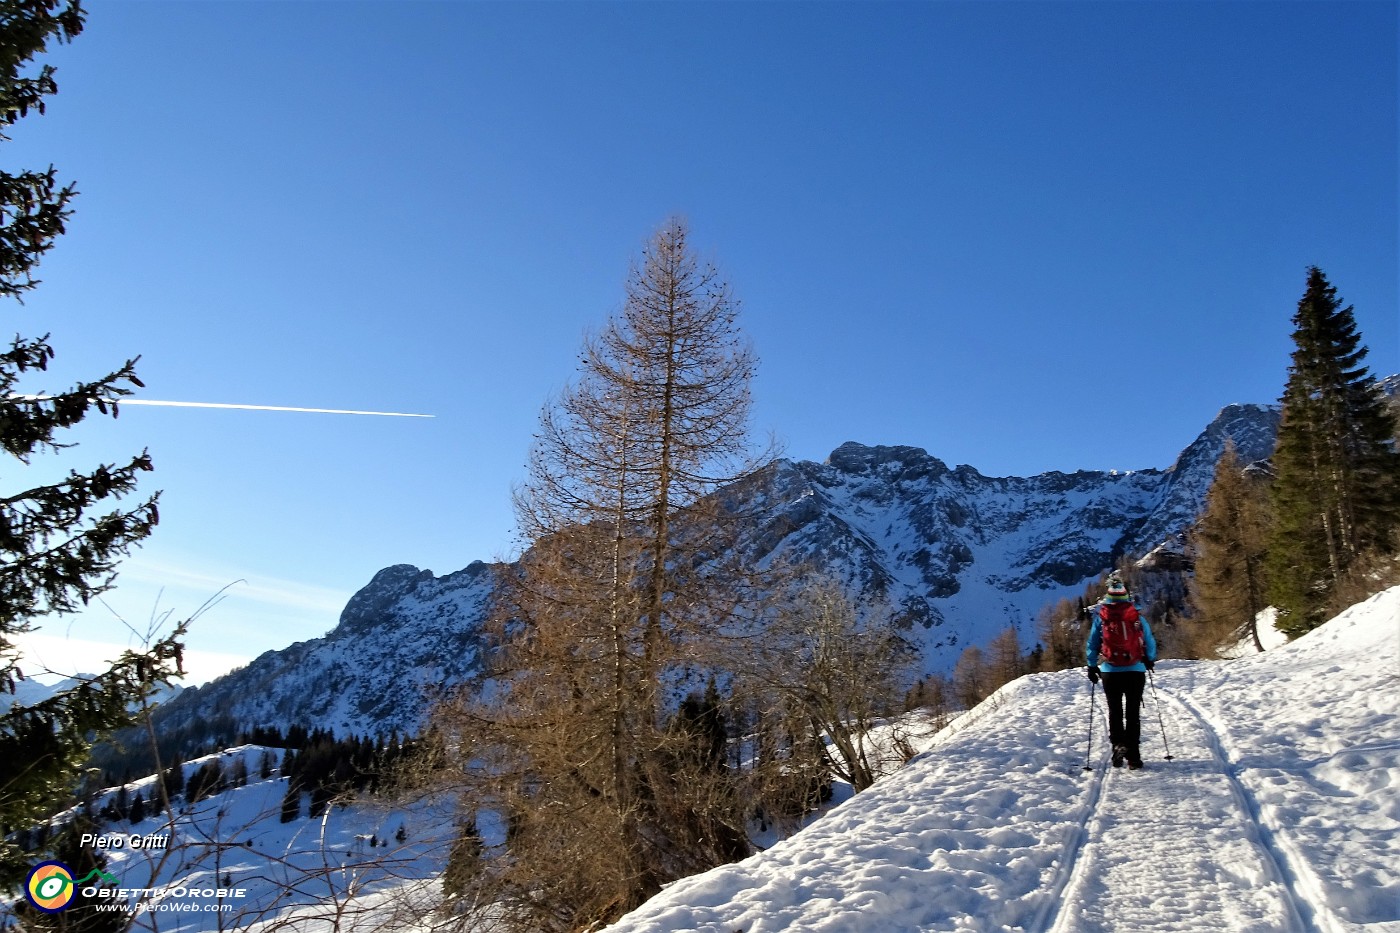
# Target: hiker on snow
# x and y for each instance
(1121, 651)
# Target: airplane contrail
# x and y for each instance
(167, 404)
(318, 411)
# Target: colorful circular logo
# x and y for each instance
(50, 886)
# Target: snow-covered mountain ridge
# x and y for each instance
(405, 633)
(966, 554)
(961, 555)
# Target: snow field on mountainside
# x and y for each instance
(1279, 811)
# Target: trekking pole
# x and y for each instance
(1089, 751)
(1157, 701)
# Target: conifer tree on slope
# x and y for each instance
(1229, 586)
(605, 800)
(59, 543)
(1335, 492)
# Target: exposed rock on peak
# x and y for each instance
(402, 637)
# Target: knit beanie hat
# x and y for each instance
(1117, 592)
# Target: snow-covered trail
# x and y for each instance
(1312, 732)
(1279, 812)
(1000, 828)
(1181, 841)
(970, 836)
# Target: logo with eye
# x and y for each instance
(50, 886)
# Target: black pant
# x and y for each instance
(1125, 730)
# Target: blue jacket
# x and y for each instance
(1096, 639)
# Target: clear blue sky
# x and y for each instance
(1024, 236)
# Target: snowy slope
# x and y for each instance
(1279, 811)
(229, 862)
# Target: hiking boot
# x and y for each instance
(1135, 764)
(1119, 753)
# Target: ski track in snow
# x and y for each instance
(1177, 842)
(1070, 870)
(1317, 738)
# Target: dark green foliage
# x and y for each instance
(697, 756)
(463, 861)
(238, 773)
(208, 779)
(173, 780)
(320, 799)
(1035, 658)
(133, 750)
(42, 746)
(34, 208)
(701, 720)
(329, 768)
(315, 761)
(138, 809)
(1335, 494)
(118, 806)
(291, 803)
(55, 555)
(60, 542)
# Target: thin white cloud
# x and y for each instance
(207, 581)
(40, 653)
(235, 616)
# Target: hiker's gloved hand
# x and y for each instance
(1149, 664)
(1093, 674)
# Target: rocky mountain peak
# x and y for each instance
(898, 463)
(959, 555)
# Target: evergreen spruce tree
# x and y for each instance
(173, 780)
(291, 802)
(1231, 536)
(138, 809)
(463, 860)
(59, 542)
(1337, 469)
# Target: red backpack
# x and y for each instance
(1121, 643)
